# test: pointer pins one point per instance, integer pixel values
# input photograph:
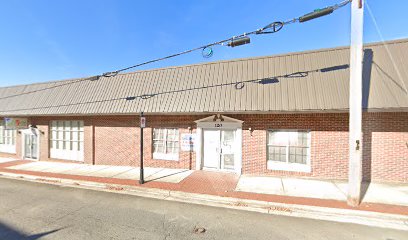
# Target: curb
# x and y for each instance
(374, 219)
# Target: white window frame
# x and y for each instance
(166, 156)
(67, 154)
(288, 166)
(8, 138)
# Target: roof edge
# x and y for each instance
(309, 111)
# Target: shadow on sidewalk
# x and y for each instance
(168, 175)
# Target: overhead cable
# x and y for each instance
(207, 50)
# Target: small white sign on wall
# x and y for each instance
(142, 122)
(188, 142)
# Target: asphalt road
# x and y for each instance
(42, 211)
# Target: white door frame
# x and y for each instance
(30, 131)
(219, 122)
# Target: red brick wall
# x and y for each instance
(386, 136)
(186, 159)
(329, 139)
(117, 140)
(385, 151)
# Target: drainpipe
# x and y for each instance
(142, 123)
(93, 141)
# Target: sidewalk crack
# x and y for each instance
(166, 234)
(283, 186)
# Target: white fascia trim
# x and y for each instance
(290, 167)
(6, 148)
(164, 156)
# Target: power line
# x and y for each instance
(231, 42)
(47, 88)
(385, 45)
(270, 28)
(237, 85)
(67, 105)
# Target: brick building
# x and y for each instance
(284, 115)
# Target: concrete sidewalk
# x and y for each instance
(118, 172)
(394, 194)
(4, 160)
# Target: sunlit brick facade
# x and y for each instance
(115, 140)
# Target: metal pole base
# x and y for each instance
(141, 180)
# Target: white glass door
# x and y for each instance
(228, 149)
(219, 149)
(212, 149)
(30, 146)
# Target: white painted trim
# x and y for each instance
(287, 166)
(7, 148)
(67, 155)
(218, 116)
(199, 146)
(207, 119)
(219, 170)
(227, 123)
(166, 156)
(230, 119)
(290, 167)
(238, 159)
(220, 125)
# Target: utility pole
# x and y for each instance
(355, 104)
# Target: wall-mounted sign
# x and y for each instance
(142, 122)
(16, 123)
(187, 142)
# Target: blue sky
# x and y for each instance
(47, 40)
